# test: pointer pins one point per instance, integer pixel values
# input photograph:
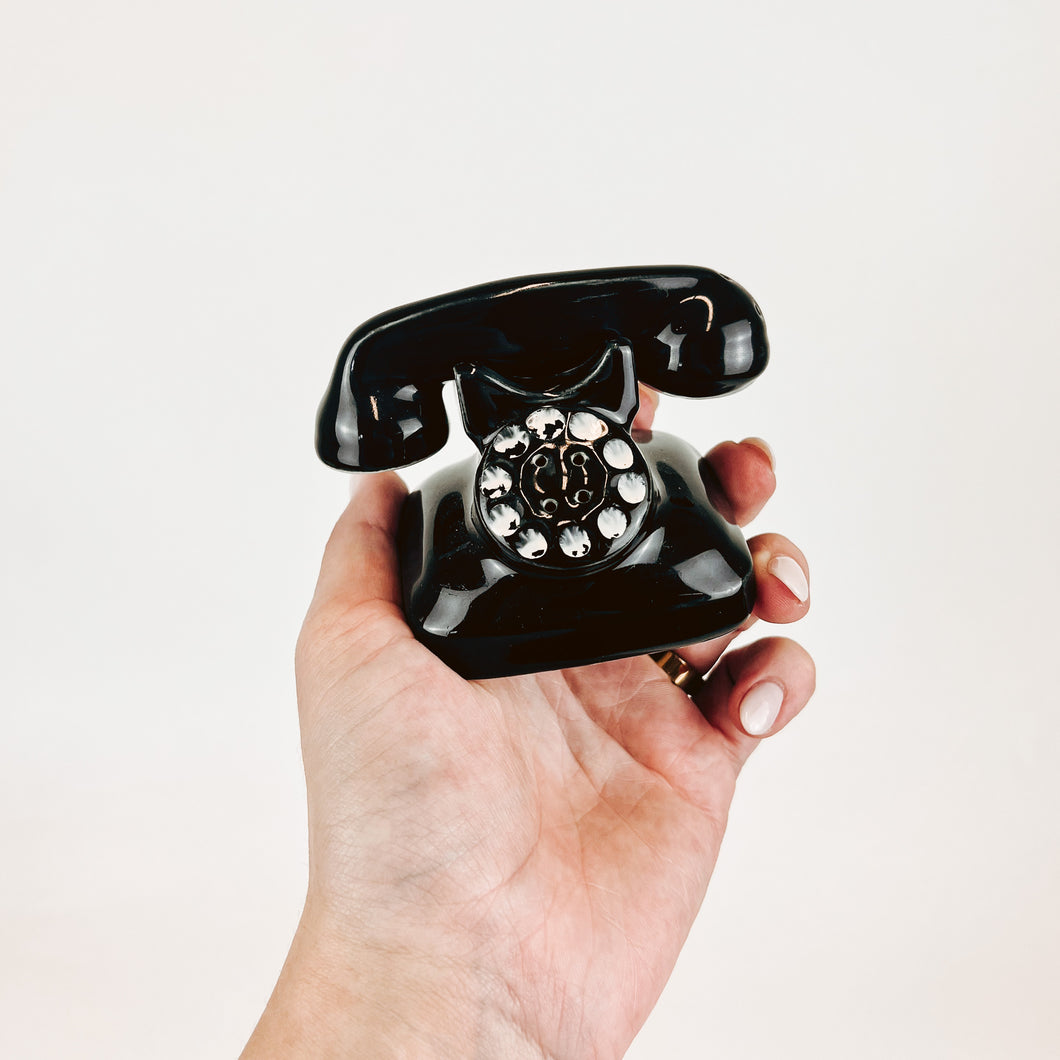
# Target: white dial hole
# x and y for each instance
(495, 482)
(531, 544)
(632, 487)
(511, 440)
(503, 520)
(546, 423)
(574, 541)
(612, 522)
(586, 427)
(618, 454)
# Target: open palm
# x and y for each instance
(510, 867)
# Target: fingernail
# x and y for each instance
(355, 485)
(759, 708)
(761, 443)
(787, 571)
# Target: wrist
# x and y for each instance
(349, 997)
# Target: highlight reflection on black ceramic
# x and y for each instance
(571, 538)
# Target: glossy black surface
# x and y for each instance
(692, 331)
(688, 577)
(569, 539)
(561, 486)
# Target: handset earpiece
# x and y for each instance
(709, 345)
(380, 423)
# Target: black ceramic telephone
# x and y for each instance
(570, 538)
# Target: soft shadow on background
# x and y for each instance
(198, 202)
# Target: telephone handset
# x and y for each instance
(571, 538)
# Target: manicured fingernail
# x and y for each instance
(787, 571)
(355, 484)
(761, 443)
(759, 708)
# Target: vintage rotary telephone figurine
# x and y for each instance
(569, 539)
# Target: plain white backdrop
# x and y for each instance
(199, 201)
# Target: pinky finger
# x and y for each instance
(755, 691)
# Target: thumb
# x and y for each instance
(360, 561)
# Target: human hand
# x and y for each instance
(509, 868)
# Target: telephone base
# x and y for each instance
(600, 635)
(688, 578)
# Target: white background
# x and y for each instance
(199, 202)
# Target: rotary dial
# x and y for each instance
(562, 488)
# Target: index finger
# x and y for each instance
(649, 402)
